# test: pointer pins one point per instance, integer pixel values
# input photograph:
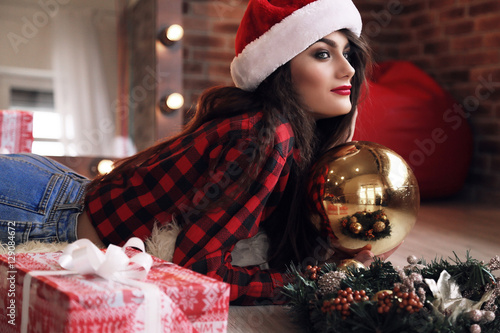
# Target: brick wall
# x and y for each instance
(210, 27)
(457, 42)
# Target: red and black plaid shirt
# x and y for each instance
(183, 181)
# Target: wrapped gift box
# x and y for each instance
(190, 302)
(336, 209)
(16, 131)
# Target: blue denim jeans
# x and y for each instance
(40, 199)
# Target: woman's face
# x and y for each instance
(322, 75)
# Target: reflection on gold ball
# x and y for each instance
(363, 176)
(356, 227)
(378, 226)
(347, 264)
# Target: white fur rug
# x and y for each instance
(161, 244)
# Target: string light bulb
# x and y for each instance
(171, 34)
(172, 102)
(100, 166)
(105, 166)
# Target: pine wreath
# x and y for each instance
(367, 226)
(382, 298)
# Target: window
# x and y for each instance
(33, 90)
(46, 122)
(370, 194)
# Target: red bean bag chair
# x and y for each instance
(407, 111)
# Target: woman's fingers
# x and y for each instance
(365, 257)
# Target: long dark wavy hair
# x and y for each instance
(292, 237)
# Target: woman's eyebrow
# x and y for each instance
(329, 42)
(332, 43)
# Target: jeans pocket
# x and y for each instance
(24, 185)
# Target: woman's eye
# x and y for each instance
(346, 55)
(323, 55)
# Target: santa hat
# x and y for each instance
(272, 32)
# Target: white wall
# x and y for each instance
(26, 35)
(25, 38)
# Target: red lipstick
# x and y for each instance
(342, 90)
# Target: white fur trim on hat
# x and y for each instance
(291, 36)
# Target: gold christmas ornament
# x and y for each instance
(365, 183)
(356, 227)
(379, 226)
(347, 264)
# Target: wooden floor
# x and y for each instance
(442, 227)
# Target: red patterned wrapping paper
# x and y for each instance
(16, 131)
(190, 302)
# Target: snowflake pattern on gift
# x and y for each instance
(187, 298)
(211, 296)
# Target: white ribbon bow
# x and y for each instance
(83, 257)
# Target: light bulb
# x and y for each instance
(175, 33)
(175, 101)
(171, 35)
(105, 166)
